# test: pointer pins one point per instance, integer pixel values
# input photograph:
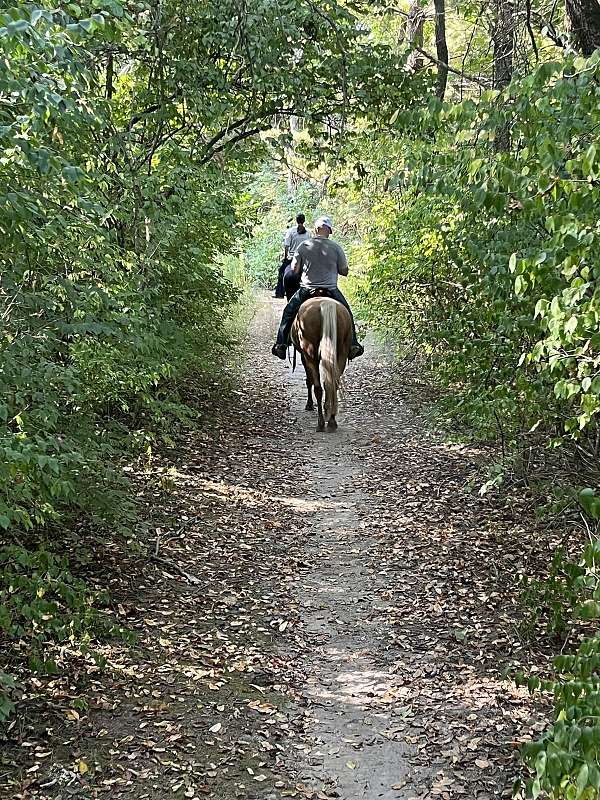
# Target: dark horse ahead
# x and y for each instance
(291, 283)
(322, 332)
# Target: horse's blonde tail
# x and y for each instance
(328, 354)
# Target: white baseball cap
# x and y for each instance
(321, 221)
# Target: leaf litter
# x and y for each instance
(316, 617)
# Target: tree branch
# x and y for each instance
(240, 137)
(435, 60)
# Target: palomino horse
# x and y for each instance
(322, 332)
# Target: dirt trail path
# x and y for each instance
(405, 606)
(338, 630)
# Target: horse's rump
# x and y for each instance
(291, 283)
(308, 327)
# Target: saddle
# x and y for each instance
(321, 292)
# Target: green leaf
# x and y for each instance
(520, 285)
(571, 325)
(73, 174)
(589, 159)
(19, 26)
(582, 779)
(588, 610)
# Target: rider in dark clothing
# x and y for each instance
(293, 239)
(319, 261)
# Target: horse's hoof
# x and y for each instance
(332, 426)
(309, 407)
(320, 428)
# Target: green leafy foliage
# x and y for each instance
(41, 600)
(99, 324)
(42, 604)
(565, 760)
(489, 259)
(7, 706)
(93, 324)
(550, 602)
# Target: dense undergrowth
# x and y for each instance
(111, 306)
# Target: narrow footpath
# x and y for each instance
(318, 615)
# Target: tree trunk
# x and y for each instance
(441, 47)
(504, 42)
(110, 74)
(291, 152)
(504, 38)
(584, 24)
(414, 33)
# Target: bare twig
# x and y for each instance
(166, 562)
(435, 60)
(530, 30)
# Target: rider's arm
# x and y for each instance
(342, 262)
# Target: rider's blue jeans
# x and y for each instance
(292, 308)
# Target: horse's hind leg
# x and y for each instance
(332, 403)
(319, 396)
(331, 409)
(313, 378)
(309, 402)
(312, 372)
(310, 406)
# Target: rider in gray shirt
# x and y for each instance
(294, 238)
(319, 261)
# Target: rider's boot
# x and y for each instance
(279, 350)
(356, 350)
